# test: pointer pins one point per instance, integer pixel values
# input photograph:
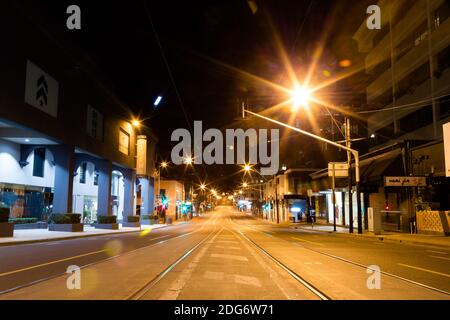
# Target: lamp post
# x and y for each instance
(162, 165)
(355, 153)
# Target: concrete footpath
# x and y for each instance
(434, 240)
(43, 235)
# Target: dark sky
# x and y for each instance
(195, 39)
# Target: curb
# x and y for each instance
(379, 237)
(7, 244)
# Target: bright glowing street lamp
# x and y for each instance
(188, 160)
(202, 186)
(245, 185)
(247, 168)
(300, 97)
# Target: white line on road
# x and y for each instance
(229, 256)
(443, 258)
(50, 263)
(438, 252)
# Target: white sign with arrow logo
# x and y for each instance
(41, 90)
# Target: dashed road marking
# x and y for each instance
(251, 281)
(211, 275)
(438, 252)
(229, 256)
(443, 258)
(423, 269)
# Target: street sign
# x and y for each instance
(340, 169)
(41, 90)
(405, 182)
(446, 129)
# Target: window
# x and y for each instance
(124, 142)
(96, 177)
(94, 123)
(416, 120)
(83, 169)
(38, 162)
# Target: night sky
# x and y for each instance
(196, 40)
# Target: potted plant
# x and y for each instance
(132, 222)
(6, 227)
(146, 219)
(67, 222)
(28, 223)
(107, 222)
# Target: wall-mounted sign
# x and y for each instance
(340, 169)
(446, 129)
(41, 90)
(405, 181)
(141, 158)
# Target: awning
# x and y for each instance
(372, 170)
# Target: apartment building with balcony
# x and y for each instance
(408, 95)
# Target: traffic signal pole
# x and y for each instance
(355, 154)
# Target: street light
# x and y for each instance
(300, 97)
(163, 164)
(136, 123)
(188, 160)
(247, 168)
(245, 185)
(202, 186)
(354, 152)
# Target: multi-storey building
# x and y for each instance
(67, 144)
(409, 99)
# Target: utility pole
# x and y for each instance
(337, 145)
(350, 182)
(333, 186)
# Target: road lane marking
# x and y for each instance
(247, 280)
(51, 262)
(313, 242)
(443, 258)
(438, 252)
(211, 275)
(426, 270)
(227, 241)
(226, 247)
(229, 256)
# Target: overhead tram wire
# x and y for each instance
(172, 79)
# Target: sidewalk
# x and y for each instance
(43, 235)
(440, 241)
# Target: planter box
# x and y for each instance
(148, 222)
(77, 227)
(131, 224)
(27, 226)
(109, 226)
(6, 229)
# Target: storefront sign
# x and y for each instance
(141, 162)
(41, 90)
(405, 181)
(340, 169)
(446, 129)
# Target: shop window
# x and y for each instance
(83, 169)
(38, 162)
(124, 142)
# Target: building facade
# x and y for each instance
(408, 62)
(67, 144)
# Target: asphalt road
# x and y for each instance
(226, 255)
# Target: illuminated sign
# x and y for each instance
(405, 181)
(141, 156)
(446, 129)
